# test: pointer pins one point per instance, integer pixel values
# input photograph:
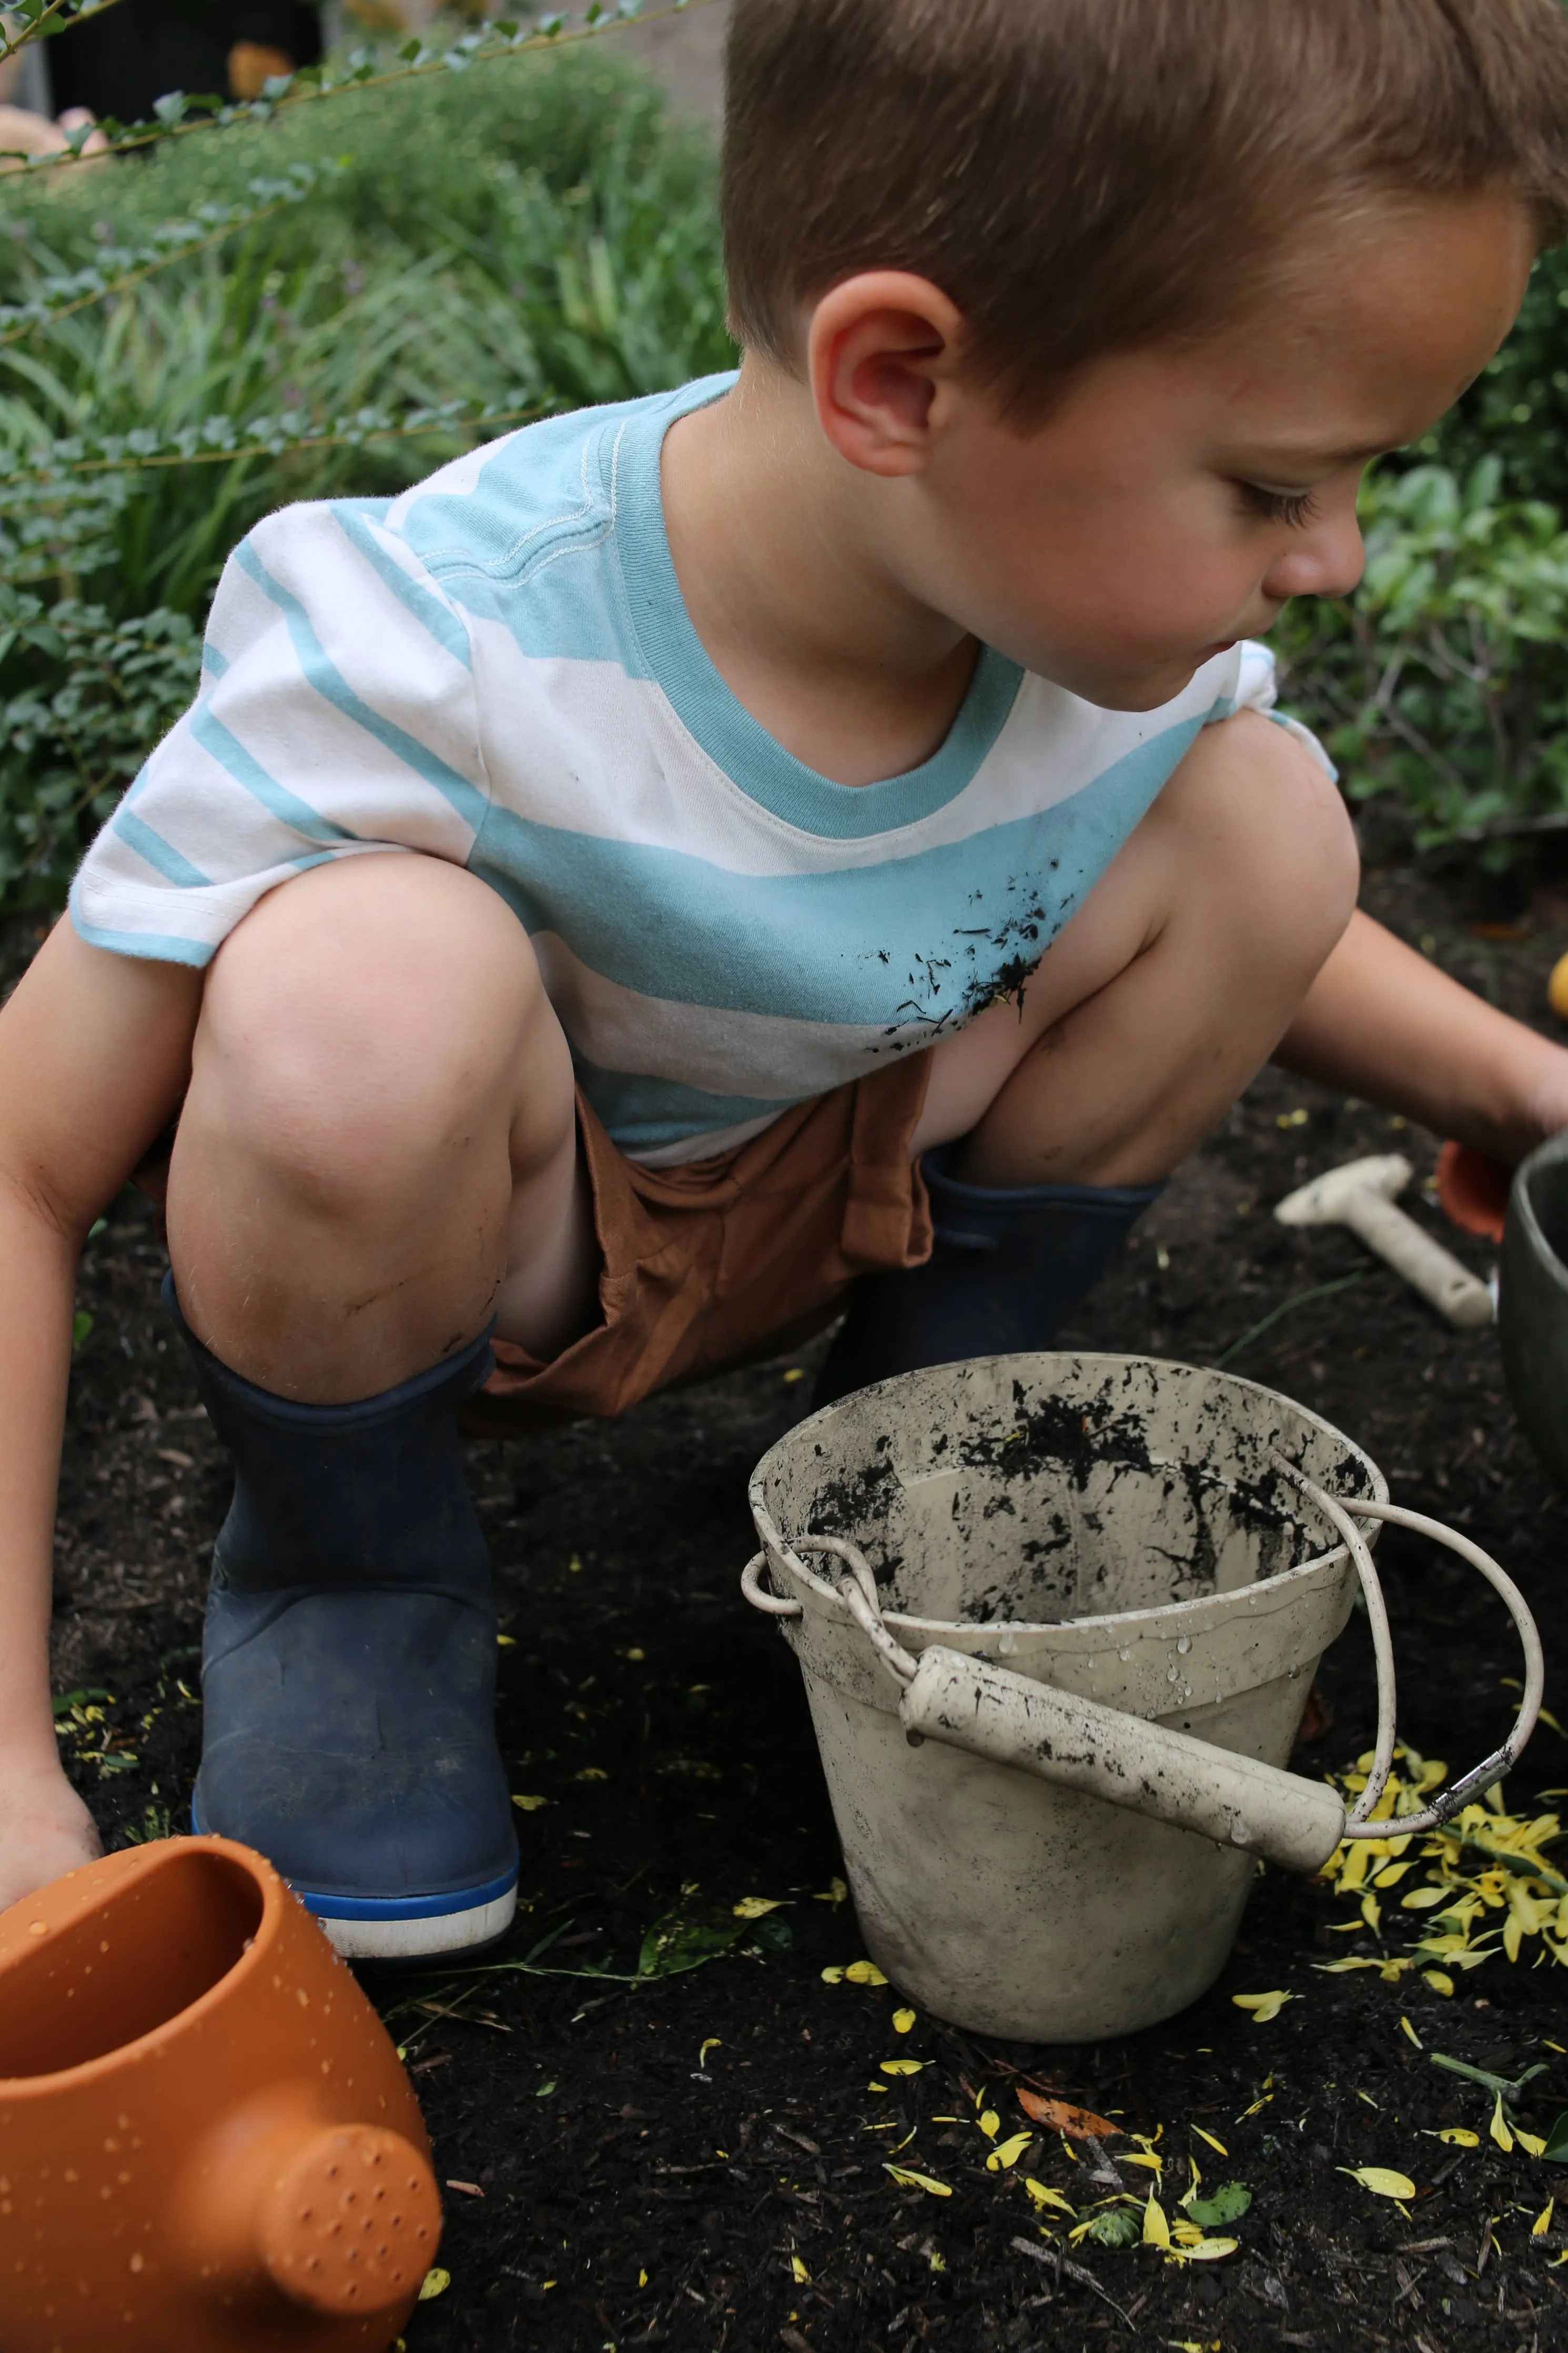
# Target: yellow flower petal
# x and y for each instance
(911, 2181)
(1381, 2179)
(529, 1805)
(832, 1977)
(1043, 2194)
(1499, 2129)
(865, 1973)
(1008, 2152)
(435, 2283)
(1459, 2136)
(1156, 2229)
(802, 2276)
(1263, 2006)
(1438, 1980)
(904, 2066)
(1542, 2223)
(903, 2020)
(753, 1907)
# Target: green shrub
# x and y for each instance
(85, 697)
(534, 234)
(1440, 687)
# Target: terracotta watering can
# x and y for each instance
(207, 2144)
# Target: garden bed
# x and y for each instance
(670, 2126)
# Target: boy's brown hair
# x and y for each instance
(1081, 176)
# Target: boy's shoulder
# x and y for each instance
(505, 511)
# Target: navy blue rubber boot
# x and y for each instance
(349, 1661)
(1006, 1269)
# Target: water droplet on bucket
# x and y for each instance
(1171, 1672)
(1124, 1655)
(1185, 1644)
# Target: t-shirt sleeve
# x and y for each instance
(1257, 689)
(336, 716)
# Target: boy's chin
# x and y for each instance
(1139, 689)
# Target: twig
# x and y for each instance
(1299, 1299)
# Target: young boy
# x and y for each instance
(842, 807)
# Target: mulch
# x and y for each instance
(696, 2156)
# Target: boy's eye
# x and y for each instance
(1291, 507)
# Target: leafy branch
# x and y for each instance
(218, 440)
(119, 267)
(35, 19)
(179, 113)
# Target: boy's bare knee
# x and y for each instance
(1270, 836)
(366, 1024)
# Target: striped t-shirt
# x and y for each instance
(497, 667)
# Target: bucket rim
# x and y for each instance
(1278, 1587)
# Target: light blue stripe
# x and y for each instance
(248, 773)
(929, 937)
(213, 662)
(329, 682)
(434, 617)
(725, 728)
(644, 1115)
(160, 855)
(158, 947)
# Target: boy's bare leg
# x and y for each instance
(1172, 986)
(380, 1123)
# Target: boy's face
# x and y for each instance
(1178, 495)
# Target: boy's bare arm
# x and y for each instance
(94, 1051)
(1383, 1022)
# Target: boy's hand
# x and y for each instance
(45, 1828)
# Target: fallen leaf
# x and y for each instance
(1499, 2129)
(1458, 2137)
(531, 1805)
(1438, 1980)
(832, 1977)
(1218, 2145)
(865, 1973)
(1142, 2157)
(436, 2281)
(1060, 2115)
(754, 1907)
(1228, 2204)
(1008, 2152)
(1381, 2179)
(1531, 2143)
(1156, 2229)
(802, 2276)
(904, 2066)
(909, 2180)
(903, 2020)
(1542, 2223)
(1210, 2250)
(834, 1893)
(1044, 2195)
(1263, 2006)
(503, 1641)
(990, 2123)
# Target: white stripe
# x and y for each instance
(722, 1052)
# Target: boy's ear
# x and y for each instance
(883, 351)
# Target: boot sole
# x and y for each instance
(393, 1931)
(406, 1927)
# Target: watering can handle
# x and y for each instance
(969, 1702)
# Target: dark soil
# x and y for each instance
(695, 2161)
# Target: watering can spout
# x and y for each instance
(1122, 1759)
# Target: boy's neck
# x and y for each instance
(777, 549)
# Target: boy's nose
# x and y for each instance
(1327, 560)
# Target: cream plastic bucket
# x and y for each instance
(1070, 1537)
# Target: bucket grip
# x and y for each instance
(969, 1702)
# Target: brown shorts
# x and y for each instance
(722, 1263)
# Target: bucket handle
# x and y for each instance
(971, 1704)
